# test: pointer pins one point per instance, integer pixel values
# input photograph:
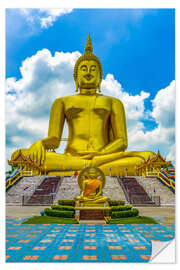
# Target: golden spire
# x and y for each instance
(88, 47)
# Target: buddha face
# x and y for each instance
(88, 74)
(92, 173)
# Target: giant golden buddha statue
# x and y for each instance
(97, 128)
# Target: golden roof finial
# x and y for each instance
(88, 47)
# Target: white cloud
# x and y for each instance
(29, 99)
(172, 153)
(46, 77)
(163, 113)
(52, 15)
(164, 106)
(134, 105)
(45, 17)
(163, 136)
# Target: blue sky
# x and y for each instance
(135, 46)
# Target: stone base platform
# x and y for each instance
(89, 213)
(92, 222)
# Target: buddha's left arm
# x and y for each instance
(118, 123)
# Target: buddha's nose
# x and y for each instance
(88, 76)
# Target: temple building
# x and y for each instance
(25, 164)
(152, 166)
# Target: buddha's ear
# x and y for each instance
(99, 87)
(77, 86)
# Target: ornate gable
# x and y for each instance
(156, 160)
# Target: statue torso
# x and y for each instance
(88, 120)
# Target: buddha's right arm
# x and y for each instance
(56, 123)
(52, 141)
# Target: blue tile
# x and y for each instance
(126, 236)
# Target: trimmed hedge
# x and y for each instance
(121, 208)
(62, 207)
(57, 213)
(123, 214)
(115, 203)
(66, 202)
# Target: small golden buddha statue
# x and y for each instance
(97, 128)
(91, 186)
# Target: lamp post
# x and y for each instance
(70, 171)
(110, 171)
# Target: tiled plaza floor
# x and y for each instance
(82, 243)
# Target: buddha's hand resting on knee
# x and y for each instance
(37, 152)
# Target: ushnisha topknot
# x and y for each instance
(88, 55)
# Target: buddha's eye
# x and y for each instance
(93, 68)
(83, 68)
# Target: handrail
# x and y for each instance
(14, 173)
(151, 173)
(28, 173)
(11, 181)
(123, 188)
(166, 179)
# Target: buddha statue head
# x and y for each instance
(92, 173)
(88, 70)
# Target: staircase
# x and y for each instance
(44, 193)
(68, 189)
(167, 197)
(113, 190)
(26, 186)
(134, 191)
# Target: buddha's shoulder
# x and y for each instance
(112, 99)
(64, 99)
(67, 99)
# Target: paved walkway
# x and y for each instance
(82, 243)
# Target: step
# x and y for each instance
(167, 197)
(91, 222)
(15, 193)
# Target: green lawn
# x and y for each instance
(133, 220)
(58, 220)
(50, 220)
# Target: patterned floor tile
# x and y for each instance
(83, 243)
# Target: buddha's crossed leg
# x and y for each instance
(64, 162)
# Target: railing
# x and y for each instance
(135, 193)
(58, 186)
(14, 199)
(151, 173)
(168, 180)
(27, 173)
(156, 200)
(123, 188)
(44, 194)
(142, 200)
(11, 181)
(39, 200)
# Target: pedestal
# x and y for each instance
(92, 214)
